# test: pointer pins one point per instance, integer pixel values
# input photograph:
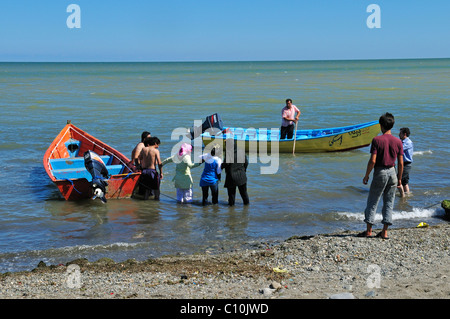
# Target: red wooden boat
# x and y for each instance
(65, 165)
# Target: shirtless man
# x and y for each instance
(148, 158)
(137, 150)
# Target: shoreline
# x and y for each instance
(412, 264)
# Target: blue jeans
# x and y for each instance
(384, 184)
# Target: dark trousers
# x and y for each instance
(405, 175)
(214, 193)
(242, 191)
(287, 130)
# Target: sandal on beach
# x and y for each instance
(380, 236)
(363, 234)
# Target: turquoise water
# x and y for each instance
(115, 102)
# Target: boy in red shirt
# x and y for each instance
(385, 150)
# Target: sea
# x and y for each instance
(308, 194)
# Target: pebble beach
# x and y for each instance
(412, 264)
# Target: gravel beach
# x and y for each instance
(412, 264)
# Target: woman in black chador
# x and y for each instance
(235, 166)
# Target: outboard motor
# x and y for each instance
(97, 168)
(212, 121)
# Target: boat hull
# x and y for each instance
(78, 189)
(66, 168)
(307, 141)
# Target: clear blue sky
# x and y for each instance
(222, 30)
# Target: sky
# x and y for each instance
(222, 30)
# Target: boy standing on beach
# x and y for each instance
(149, 158)
(385, 149)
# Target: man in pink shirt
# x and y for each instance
(288, 119)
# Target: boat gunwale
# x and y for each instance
(343, 130)
(95, 141)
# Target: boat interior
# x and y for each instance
(71, 165)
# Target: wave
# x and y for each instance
(170, 101)
(11, 146)
(28, 259)
(70, 250)
(416, 213)
(423, 152)
(107, 94)
(378, 89)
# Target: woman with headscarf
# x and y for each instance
(183, 179)
(211, 175)
(235, 165)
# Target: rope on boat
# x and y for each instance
(145, 186)
(53, 150)
(104, 149)
(119, 179)
(71, 182)
(432, 205)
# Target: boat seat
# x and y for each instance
(81, 172)
(73, 147)
(115, 169)
(75, 162)
(71, 173)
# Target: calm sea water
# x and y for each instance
(310, 193)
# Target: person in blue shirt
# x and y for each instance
(408, 149)
(211, 175)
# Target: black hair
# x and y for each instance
(153, 140)
(405, 131)
(288, 100)
(387, 121)
(144, 135)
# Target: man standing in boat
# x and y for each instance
(289, 117)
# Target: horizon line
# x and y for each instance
(227, 61)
